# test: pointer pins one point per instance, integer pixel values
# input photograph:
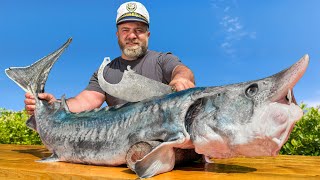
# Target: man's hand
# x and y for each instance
(30, 102)
(179, 84)
(182, 78)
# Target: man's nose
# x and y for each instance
(132, 35)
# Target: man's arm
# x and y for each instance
(86, 100)
(182, 78)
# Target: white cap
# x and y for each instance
(132, 11)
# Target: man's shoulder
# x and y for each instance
(160, 55)
(114, 62)
(116, 59)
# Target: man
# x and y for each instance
(133, 35)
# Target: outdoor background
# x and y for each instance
(223, 42)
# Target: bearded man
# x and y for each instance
(133, 35)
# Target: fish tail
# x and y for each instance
(33, 78)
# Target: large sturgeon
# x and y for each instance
(247, 119)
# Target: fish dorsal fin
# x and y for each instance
(64, 105)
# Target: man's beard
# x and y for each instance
(133, 52)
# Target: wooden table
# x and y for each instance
(18, 162)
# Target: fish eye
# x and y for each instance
(252, 90)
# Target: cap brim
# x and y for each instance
(132, 18)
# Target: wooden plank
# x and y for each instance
(18, 162)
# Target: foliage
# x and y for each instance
(13, 129)
(305, 136)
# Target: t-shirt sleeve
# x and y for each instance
(94, 84)
(168, 62)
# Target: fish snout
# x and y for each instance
(285, 80)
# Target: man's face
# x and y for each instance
(133, 39)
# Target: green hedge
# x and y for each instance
(305, 136)
(304, 139)
(13, 129)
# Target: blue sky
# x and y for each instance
(222, 41)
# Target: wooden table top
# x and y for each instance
(18, 162)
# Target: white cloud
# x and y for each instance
(317, 92)
(312, 103)
(226, 9)
(252, 35)
(225, 45)
(232, 27)
(313, 100)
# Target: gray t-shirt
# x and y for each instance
(154, 65)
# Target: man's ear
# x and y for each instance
(117, 34)
(148, 33)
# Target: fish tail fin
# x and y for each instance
(33, 78)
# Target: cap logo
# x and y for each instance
(131, 7)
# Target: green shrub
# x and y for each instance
(13, 129)
(305, 136)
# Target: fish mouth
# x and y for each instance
(287, 79)
(284, 95)
(288, 98)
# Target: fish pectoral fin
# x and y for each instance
(136, 152)
(159, 160)
(52, 158)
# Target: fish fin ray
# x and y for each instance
(31, 123)
(52, 158)
(137, 152)
(159, 160)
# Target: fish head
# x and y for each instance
(247, 119)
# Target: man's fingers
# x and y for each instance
(43, 96)
(30, 107)
(29, 101)
(190, 85)
(46, 96)
(29, 95)
(182, 85)
(179, 87)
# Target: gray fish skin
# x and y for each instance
(247, 119)
(104, 136)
